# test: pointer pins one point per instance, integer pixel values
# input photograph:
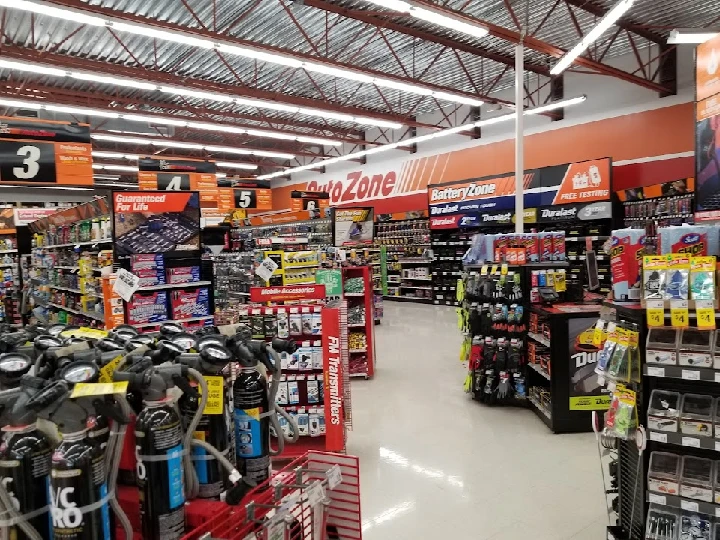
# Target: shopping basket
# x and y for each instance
(314, 497)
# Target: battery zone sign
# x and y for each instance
(45, 153)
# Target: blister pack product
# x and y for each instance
(284, 425)
(317, 355)
(307, 322)
(316, 328)
(677, 281)
(304, 355)
(147, 307)
(269, 323)
(608, 349)
(321, 422)
(183, 274)
(293, 393)
(190, 304)
(303, 423)
(257, 324)
(621, 417)
(313, 391)
(283, 328)
(654, 274)
(295, 320)
(282, 395)
(702, 278)
(314, 424)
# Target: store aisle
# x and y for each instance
(433, 462)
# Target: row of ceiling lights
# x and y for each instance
(188, 39)
(135, 157)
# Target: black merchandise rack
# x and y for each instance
(655, 212)
(632, 464)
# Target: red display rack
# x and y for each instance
(366, 299)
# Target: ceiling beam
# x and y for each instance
(599, 11)
(207, 34)
(539, 45)
(17, 52)
(121, 104)
(380, 18)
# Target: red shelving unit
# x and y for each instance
(366, 299)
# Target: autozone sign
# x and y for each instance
(359, 187)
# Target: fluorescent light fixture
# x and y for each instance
(164, 35)
(105, 79)
(451, 23)
(165, 143)
(77, 16)
(220, 175)
(162, 120)
(423, 138)
(610, 18)
(115, 184)
(235, 165)
(32, 68)
(210, 96)
(458, 99)
(691, 36)
(115, 155)
(338, 72)
(110, 167)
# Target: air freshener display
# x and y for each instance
(678, 277)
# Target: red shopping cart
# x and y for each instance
(314, 497)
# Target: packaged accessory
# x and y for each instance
(313, 391)
(293, 393)
(696, 415)
(190, 304)
(664, 473)
(183, 274)
(307, 322)
(677, 284)
(695, 348)
(664, 410)
(295, 322)
(317, 355)
(314, 424)
(696, 480)
(282, 395)
(269, 323)
(661, 346)
(621, 417)
(663, 523)
(283, 329)
(694, 526)
(654, 268)
(303, 423)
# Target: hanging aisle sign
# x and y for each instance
(42, 152)
(158, 174)
(248, 195)
(465, 203)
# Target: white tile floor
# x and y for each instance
(434, 462)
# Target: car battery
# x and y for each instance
(190, 304)
(147, 307)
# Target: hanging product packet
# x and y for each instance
(621, 417)
(608, 348)
(677, 277)
(702, 278)
(654, 274)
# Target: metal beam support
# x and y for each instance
(557, 93)
(668, 69)
(536, 44)
(599, 11)
(374, 19)
(206, 34)
(17, 52)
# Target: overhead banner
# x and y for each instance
(707, 69)
(569, 184)
(155, 221)
(354, 226)
(96, 208)
(284, 217)
(681, 186)
(42, 152)
(159, 174)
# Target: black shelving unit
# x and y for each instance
(567, 322)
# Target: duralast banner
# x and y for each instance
(470, 201)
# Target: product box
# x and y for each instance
(558, 243)
(183, 274)
(545, 241)
(190, 304)
(625, 257)
(147, 308)
(531, 247)
(149, 267)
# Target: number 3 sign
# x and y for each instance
(24, 161)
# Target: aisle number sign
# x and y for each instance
(41, 152)
(180, 175)
(246, 195)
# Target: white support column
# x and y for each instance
(519, 139)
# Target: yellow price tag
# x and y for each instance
(655, 313)
(99, 389)
(484, 270)
(705, 312)
(560, 284)
(504, 269)
(106, 372)
(679, 314)
(216, 395)
(494, 269)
